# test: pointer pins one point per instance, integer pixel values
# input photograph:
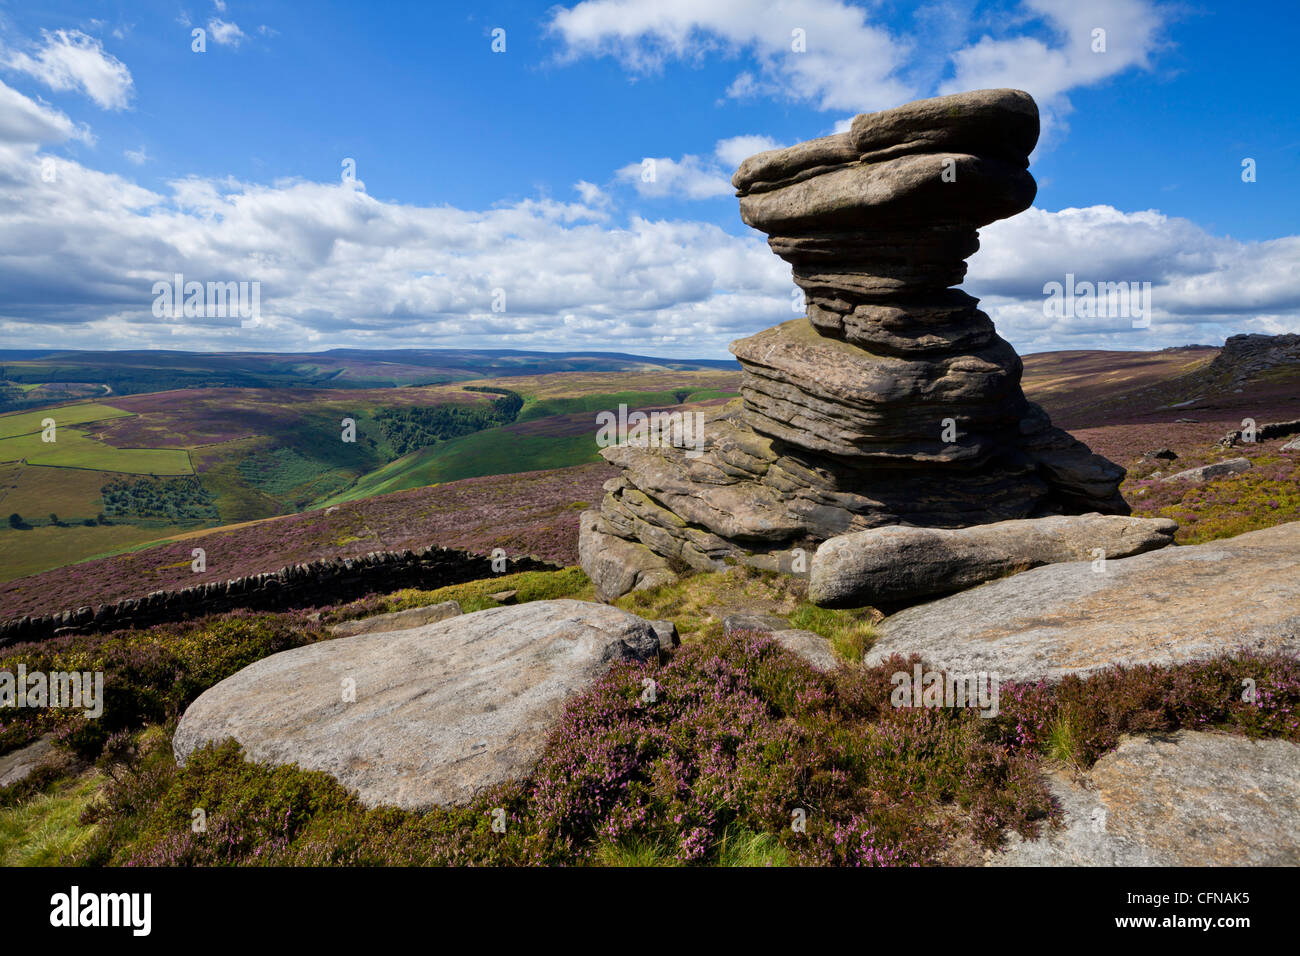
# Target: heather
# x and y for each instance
(150, 676)
(737, 736)
(533, 513)
(1266, 495)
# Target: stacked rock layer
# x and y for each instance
(894, 401)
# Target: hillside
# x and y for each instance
(255, 453)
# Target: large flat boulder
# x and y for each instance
(437, 712)
(897, 563)
(397, 620)
(1183, 799)
(1176, 604)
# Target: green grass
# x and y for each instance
(741, 847)
(850, 632)
(73, 449)
(607, 401)
(25, 423)
(493, 451)
(43, 830)
(633, 853)
(473, 595)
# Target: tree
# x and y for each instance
(15, 520)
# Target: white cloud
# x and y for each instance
(225, 33)
(1047, 70)
(735, 150)
(853, 64)
(848, 63)
(338, 267)
(137, 156)
(1203, 287)
(23, 120)
(71, 60)
(690, 177)
(693, 177)
(592, 195)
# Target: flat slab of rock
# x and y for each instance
(1219, 469)
(439, 711)
(16, 766)
(397, 620)
(1177, 604)
(896, 563)
(809, 645)
(1183, 799)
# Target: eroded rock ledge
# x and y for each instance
(893, 401)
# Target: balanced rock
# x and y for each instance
(435, 713)
(893, 401)
(1184, 799)
(1176, 604)
(889, 565)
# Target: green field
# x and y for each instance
(74, 450)
(491, 452)
(25, 423)
(535, 408)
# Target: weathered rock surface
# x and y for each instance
(440, 711)
(809, 645)
(1219, 469)
(894, 401)
(888, 565)
(16, 766)
(397, 620)
(1164, 606)
(1182, 799)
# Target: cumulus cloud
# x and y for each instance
(821, 51)
(735, 150)
(1088, 43)
(693, 177)
(850, 63)
(137, 157)
(224, 32)
(1203, 287)
(23, 120)
(71, 60)
(339, 267)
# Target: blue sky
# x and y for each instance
(520, 170)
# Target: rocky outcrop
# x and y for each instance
(893, 401)
(1182, 799)
(888, 565)
(809, 645)
(426, 716)
(397, 620)
(1166, 606)
(1244, 358)
(1218, 469)
(313, 584)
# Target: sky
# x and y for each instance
(420, 175)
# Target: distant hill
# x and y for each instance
(134, 372)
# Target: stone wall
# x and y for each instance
(315, 584)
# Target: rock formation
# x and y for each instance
(894, 401)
